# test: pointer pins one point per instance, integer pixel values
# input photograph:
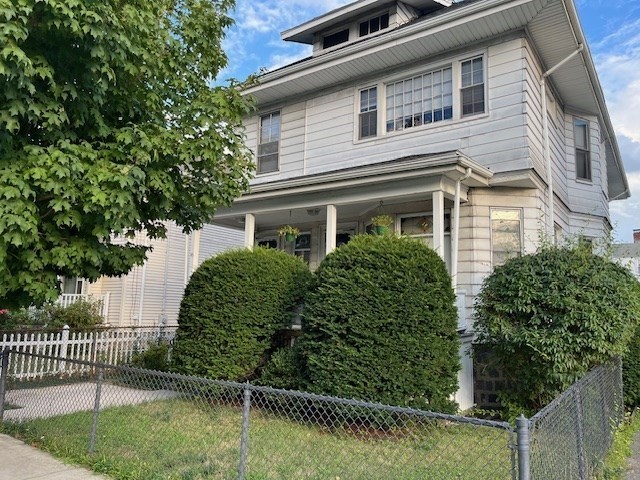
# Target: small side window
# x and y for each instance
(506, 235)
(368, 121)
(472, 81)
(269, 145)
(583, 158)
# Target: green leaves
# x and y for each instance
(551, 316)
(380, 325)
(108, 124)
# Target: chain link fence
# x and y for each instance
(571, 436)
(133, 423)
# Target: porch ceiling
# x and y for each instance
(357, 191)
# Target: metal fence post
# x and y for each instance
(244, 438)
(582, 473)
(3, 380)
(96, 411)
(524, 466)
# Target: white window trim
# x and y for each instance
(521, 215)
(574, 118)
(456, 66)
(258, 138)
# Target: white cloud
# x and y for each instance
(618, 60)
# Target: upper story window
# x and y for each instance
(472, 83)
(269, 144)
(506, 234)
(335, 38)
(374, 24)
(368, 121)
(420, 100)
(581, 139)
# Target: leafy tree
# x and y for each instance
(551, 316)
(380, 325)
(109, 125)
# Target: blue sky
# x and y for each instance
(612, 28)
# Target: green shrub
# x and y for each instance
(631, 371)
(154, 357)
(281, 370)
(551, 316)
(381, 325)
(82, 314)
(234, 304)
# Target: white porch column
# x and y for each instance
(438, 222)
(249, 230)
(332, 228)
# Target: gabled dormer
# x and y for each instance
(358, 21)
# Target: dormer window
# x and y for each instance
(336, 38)
(374, 24)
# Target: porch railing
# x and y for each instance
(67, 299)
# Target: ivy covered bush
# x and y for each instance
(232, 307)
(551, 316)
(380, 325)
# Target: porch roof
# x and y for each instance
(402, 179)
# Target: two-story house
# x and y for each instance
(480, 126)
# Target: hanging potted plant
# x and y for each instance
(289, 233)
(381, 223)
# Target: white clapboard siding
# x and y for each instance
(319, 133)
(111, 346)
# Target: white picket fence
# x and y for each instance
(113, 346)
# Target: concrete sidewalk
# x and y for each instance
(19, 461)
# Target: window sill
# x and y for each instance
(584, 181)
(264, 174)
(423, 128)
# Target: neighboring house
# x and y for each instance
(150, 295)
(628, 254)
(478, 125)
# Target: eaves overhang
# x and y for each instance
(452, 165)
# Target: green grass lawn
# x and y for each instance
(179, 439)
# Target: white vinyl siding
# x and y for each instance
(320, 133)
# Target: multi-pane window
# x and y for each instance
(368, 112)
(506, 234)
(472, 82)
(581, 139)
(269, 142)
(374, 24)
(420, 100)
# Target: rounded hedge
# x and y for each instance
(380, 325)
(232, 307)
(551, 316)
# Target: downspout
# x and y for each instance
(456, 230)
(545, 133)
